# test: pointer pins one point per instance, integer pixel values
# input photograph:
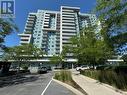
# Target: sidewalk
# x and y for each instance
(91, 86)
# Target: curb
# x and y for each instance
(69, 87)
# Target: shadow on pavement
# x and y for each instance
(17, 79)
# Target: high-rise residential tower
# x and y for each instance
(51, 30)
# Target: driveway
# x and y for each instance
(40, 84)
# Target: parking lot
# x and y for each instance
(33, 84)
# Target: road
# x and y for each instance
(40, 84)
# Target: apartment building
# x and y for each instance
(51, 30)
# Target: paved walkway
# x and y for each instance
(91, 86)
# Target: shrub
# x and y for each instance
(25, 66)
(63, 75)
(110, 77)
(90, 73)
(121, 69)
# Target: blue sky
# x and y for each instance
(23, 7)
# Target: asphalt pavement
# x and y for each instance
(57, 89)
(40, 84)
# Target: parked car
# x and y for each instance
(42, 70)
(13, 68)
(83, 67)
(49, 68)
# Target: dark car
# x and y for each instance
(42, 70)
(49, 68)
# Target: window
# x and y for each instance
(34, 34)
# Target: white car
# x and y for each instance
(84, 67)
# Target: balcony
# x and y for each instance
(68, 13)
(68, 24)
(66, 18)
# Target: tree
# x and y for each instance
(113, 17)
(23, 53)
(58, 59)
(88, 47)
(55, 59)
(7, 26)
(124, 57)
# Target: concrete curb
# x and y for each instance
(69, 87)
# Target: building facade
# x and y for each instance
(51, 30)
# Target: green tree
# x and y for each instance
(58, 59)
(23, 53)
(7, 26)
(89, 47)
(55, 59)
(124, 57)
(113, 17)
